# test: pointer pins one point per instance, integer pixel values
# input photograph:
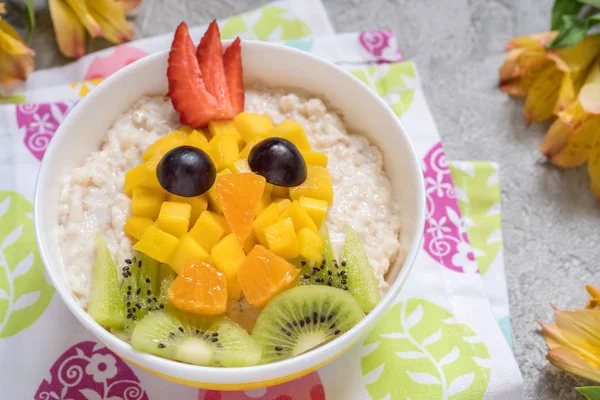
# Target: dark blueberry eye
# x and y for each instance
(279, 161)
(186, 171)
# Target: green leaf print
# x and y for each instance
(417, 350)
(267, 23)
(393, 82)
(24, 291)
(478, 195)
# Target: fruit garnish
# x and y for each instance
(186, 171)
(282, 239)
(174, 218)
(187, 252)
(136, 226)
(228, 255)
(210, 60)
(195, 339)
(353, 273)
(317, 185)
(239, 196)
(188, 93)
(303, 318)
(279, 161)
(263, 274)
(316, 208)
(104, 306)
(266, 218)
(292, 131)
(251, 125)
(200, 288)
(232, 60)
(207, 230)
(157, 244)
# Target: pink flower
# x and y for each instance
(102, 367)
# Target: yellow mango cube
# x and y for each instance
(136, 226)
(280, 191)
(317, 185)
(212, 194)
(195, 139)
(146, 202)
(250, 125)
(157, 244)
(198, 204)
(241, 165)
(187, 252)
(207, 231)
(264, 202)
(225, 149)
(267, 217)
(315, 158)
(228, 255)
(143, 175)
(249, 243)
(311, 244)
(220, 218)
(224, 127)
(174, 218)
(282, 240)
(299, 216)
(316, 208)
(234, 290)
(162, 146)
(249, 145)
(292, 131)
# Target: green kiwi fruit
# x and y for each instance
(303, 318)
(195, 339)
(353, 273)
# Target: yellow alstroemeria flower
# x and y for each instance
(550, 79)
(106, 18)
(16, 59)
(574, 341)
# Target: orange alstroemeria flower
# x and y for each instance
(16, 59)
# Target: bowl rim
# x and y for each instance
(255, 373)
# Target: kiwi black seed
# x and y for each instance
(303, 318)
(195, 339)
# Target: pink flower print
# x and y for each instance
(382, 45)
(119, 57)
(308, 387)
(445, 236)
(38, 122)
(89, 371)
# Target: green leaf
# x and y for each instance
(573, 31)
(562, 8)
(593, 3)
(24, 291)
(418, 347)
(270, 23)
(30, 8)
(591, 392)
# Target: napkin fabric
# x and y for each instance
(441, 340)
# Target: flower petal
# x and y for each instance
(568, 361)
(536, 41)
(128, 5)
(69, 32)
(543, 94)
(111, 18)
(578, 57)
(2, 8)
(552, 336)
(594, 302)
(16, 59)
(581, 139)
(555, 139)
(594, 173)
(580, 329)
(80, 9)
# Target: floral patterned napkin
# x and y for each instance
(439, 341)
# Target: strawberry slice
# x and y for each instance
(195, 105)
(210, 58)
(232, 60)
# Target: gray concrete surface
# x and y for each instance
(550, 217)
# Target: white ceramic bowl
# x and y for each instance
(82, 131)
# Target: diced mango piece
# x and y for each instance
(174, 218)
(188, 251)
(224, 127)
(292, 131)
(299, 216)
(223, 222)
(316, 208)
(234, 290)
(184, 129)
(198, 203)
(207, 230)
(311, 244)
(249, 145)
(317, 185)
(157, 244)
(225, 149)
(264, 202)
(315, 158)
(280, 191)
(249, 243)
(136, 226)
(250, 125)
(212, 194)
(282, 239)
(228, 255)
(161, 146)
(146, 202)
(143, 175)
(196, 139)
(267, 217)
(241, 165)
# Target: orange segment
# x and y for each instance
(239, 196)
(200, 288)
(264, 274)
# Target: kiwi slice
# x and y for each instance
(104, 305)
(303, 318)
(353, 273)
(195, 339)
